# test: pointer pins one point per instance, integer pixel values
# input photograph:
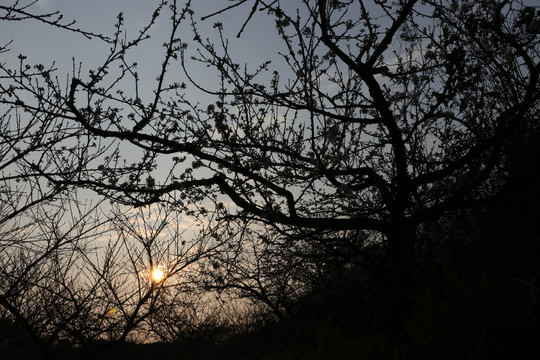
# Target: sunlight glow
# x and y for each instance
(157, 274)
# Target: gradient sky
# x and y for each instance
(44, 44)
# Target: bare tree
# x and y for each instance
(40, 255)
(379, 118)
(260, 269)
(20, 11)
(70, 275)
(44, 227)
(148, 268)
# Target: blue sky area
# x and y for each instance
(44, 44)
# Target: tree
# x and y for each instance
(43, 227)
(391, 115)
(74, 270)
(255, 268)
(71, 277)
(42, 290)
(149, 240)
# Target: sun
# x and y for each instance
(157, 274)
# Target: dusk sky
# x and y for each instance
(345, 180)
(43, 44)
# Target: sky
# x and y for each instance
(43, 44)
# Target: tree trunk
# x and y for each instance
(401, 242)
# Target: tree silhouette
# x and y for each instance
(67, 260)
(377, 119)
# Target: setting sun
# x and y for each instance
(158, 274)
